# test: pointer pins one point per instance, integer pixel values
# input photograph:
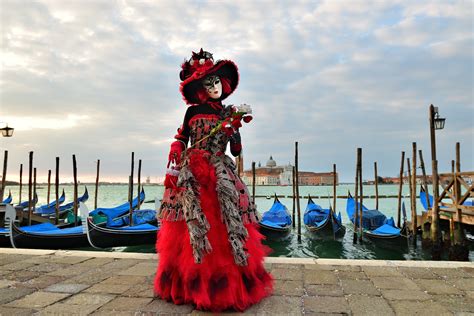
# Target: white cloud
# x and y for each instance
(318, 72)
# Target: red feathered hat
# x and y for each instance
(198, 67)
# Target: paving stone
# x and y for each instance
(369, 305)
(96, 262)
(455, 303)
(125, 279)
(66, 288)
(381, 271)
(165, 308)
(268, 266)
(38, 299)
(399, 283)
(127, 304)
(22, 276)
(463, 284)
(121, 264)
(288, 287)
(69, 259)
(451, 273)
(359, 287)
(324, 290)
(437, 287)
(42, 281)
(119, 313)
(418, 273)
(89, 299)
(7, 311)
(6, 283)
(287, 266)
(47, 267)
(10, 294)
(395, 295)
(70, 271)
(22, 265)
(325, 304)
(141, 269)
(287, 274)
(140, 290)
(427, 308)
(278, 305)
(470, 294)
(468, 270)
(7, 259)
(320, 277)
(109, 288)
(92, 277)
(328, 267)
(353, 275)
(64, 309)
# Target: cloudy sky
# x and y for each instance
(99, 79)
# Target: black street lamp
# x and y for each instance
(7, 131)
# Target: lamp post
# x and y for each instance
(7, 131)
(435, 123)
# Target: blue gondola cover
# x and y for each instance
(371, 219)
(277, 215)
(139, 217)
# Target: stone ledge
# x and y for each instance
(269, 260)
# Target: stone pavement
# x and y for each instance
(46, 282)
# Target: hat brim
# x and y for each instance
(223, 68)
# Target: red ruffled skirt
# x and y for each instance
(217, 284)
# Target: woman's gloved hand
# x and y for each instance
(176, 150)
(235, 144)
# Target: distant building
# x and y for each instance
(271, 174)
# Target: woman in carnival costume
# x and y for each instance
(210, 249)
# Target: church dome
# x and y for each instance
(271, 163)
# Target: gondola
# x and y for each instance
(104, 214)
(8, 199)
(323, 222)
(276, 222)
(24, 205)
(63, 209)
(52, 204)
(119, 233)
(44, 235)
(376, 226)
(47, 235)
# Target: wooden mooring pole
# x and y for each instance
(74, 169)
(34, 189)
(400, 188)
(139, 180)
(21, 183)
(361, 224)
(356, 199)
(96, 184)
(253, 182)
(334, 183)
(30, 184)
(410, 189)
(293, 176)
(56, 187)
(436, 248)
(376, 186)
(49, 187)
(4, 174)
(425, 225)
(459, 248)
(130, 189)
(297, 192)
(413, 201)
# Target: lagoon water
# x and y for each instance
(309, 247)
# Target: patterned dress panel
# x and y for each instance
(201, 126)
